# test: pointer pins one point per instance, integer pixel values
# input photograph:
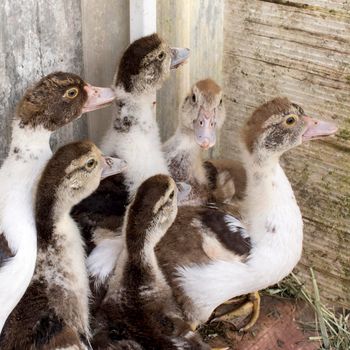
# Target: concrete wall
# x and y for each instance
(36, 38)
(302, 51)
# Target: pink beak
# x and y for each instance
(205, 128)
(179, 56)
(317, 128)
(112, 166)
(98, 97)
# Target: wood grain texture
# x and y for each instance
(106, 34)
(197, 24)
(36, 38)
(300, 50)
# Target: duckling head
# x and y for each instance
(74, 172)
(203, 112)
(146, 64)
(152, 211)
(279, 125)
(59, 98)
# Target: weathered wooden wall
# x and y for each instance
(300, 50)
(197, 24)
(105, 25)
(36, 38)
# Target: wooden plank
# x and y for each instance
(299, 50)
(196, 24)
(173, 24)
(36, 38)
(105, 26)
(143, 18)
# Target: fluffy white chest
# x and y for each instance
(138, 143)
(18, 177)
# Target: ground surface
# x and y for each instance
(283, 324)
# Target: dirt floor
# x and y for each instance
(283, 324)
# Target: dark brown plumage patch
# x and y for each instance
(45, 104)
(49, 331)
(124, 123)
(141, 212)
(254, 125)
(105, 208)
(5, 251)
(130, 64)
(232, 238)
(212, 174)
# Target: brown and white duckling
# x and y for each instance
(54, 311)
(270, 213)
(53, 102)
(201, 115)
(134, 133)
(133, 136)
(139, 304)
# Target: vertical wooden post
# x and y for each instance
(143, 20)
(105, 26)
(173, 24)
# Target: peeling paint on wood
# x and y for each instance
(299, 49)
(37, 37)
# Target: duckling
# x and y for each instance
(139, 304)
(201, 278)
(53, 102)
(54, 311)
(133, 136)
(134, 133)
(202, 114)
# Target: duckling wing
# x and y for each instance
(200, 235)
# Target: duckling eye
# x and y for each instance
(71, 93)
(291, 120)
(90, 164)
(194, 98)
(171, 195)
(201, 123)
(161, 56)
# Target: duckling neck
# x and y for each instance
(183, 157)
(141, 258)
(273, 220)
(134, 137)
(61, 263)
(29, 143)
